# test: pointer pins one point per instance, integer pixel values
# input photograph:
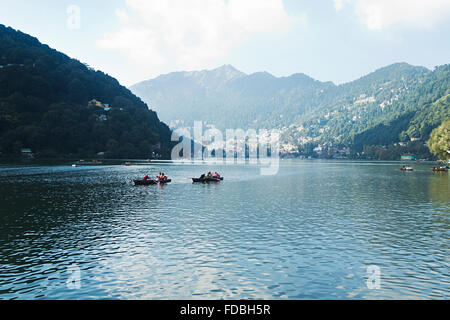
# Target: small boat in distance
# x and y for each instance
(206, 180)
(88, 163)
(439, 169)
(208, 177)
(407, 168)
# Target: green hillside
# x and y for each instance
(397, 107)
(428, 118)
(44, 106)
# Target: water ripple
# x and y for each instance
(308, 233)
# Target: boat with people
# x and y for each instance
(161, 179)
(439, 169)
(207, 180)
(407, 168)
(150, 182)
(145, 182)
(208, 177)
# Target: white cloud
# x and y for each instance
(161, 36)
(415, 14)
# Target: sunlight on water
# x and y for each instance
(308, 233)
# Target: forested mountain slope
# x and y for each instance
(228, 98)
(44, 105)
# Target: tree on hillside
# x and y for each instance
(439, 142)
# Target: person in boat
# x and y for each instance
(146, 178)
(163, 177)
(216, 175)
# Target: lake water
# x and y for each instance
(310, 232)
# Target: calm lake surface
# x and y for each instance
(308, 233)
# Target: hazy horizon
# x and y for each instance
(284, 76)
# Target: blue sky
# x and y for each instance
(330, 40)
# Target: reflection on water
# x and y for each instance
(308, 233)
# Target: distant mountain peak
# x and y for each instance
(226, 72)
(300, 76)
(262, 74)
(402, 66)
(228, 68)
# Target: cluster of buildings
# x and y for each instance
(11, 65)
(320, 151)
(27, 153)
(95, 103)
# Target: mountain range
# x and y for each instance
(227, 97)
(392, 99)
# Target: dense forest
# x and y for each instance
(59, 107)
(415, 102)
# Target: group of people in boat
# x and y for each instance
(439, 168)
(161, 177)
(209, 175)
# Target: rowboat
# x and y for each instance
(150, 182)
(203, 180)
(439, 169)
